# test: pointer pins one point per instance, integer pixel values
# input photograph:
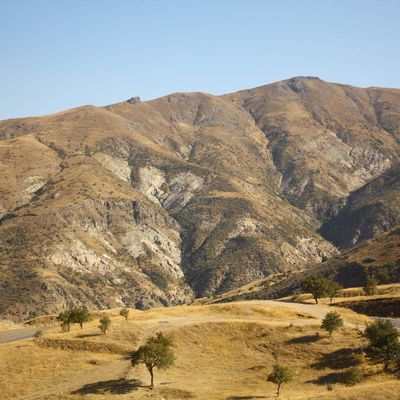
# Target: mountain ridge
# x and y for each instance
(188, 194)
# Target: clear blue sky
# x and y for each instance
(58, 54)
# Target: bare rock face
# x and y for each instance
(153, 203)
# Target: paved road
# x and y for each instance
(13, 335)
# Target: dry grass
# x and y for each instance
(223, 351)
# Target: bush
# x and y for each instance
(105, 323)
(38, 334)
(331, 322)
(353, 376)
(124, 313)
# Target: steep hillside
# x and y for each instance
(138, 204)
(370, 211)
(146, 203)
(326, 139)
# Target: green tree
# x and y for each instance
(105, 323)
(124, 313)
(332, 290)
(370, 286)
(279, 375)
(157, 352)
(382, 276)
(79, 316)
(384, 346)
(65, 319)
(318, 286)
(331, 322)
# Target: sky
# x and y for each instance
(59, 54)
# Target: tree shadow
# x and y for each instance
(245, 397)
(256, 368)
(332, 378)
(339, 359)
(116, 386)
(176, 393)
(82, 336)
(303, 339)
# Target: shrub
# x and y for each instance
(124, 313)
(353, 376)
(105, 323)
(331, 322)
(38, 334)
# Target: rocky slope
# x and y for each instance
(327, 139)
(369, 211)
(145, 203)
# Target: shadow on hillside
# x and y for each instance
(334, 377)
(303, 339)
(256, 368)
(245, 397)
(86, 335)
(116, 386)
(339, 359)
(172, 393)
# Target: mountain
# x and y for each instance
(148, 203)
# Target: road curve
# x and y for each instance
(14, 335)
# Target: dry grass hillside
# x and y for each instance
(154, 203)
(222, 352)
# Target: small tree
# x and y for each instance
(79, 316)
(66, 320)
(332, 290)
(353, 376)
(124, 313)
(384, 346)
(331, 322)
(370, 287)
(105, 323)
(155, 353)
(382, 276)
(279, 375)
(318, 286)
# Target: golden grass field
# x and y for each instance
(222, 351)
